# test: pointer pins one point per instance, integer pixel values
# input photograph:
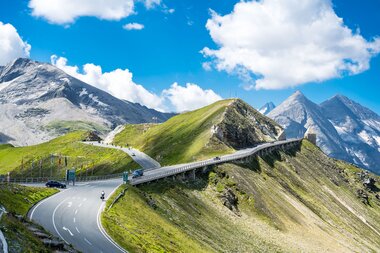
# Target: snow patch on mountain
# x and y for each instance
(267, 108)
(345, 129)
(83, 92)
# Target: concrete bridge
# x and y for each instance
(189, 169)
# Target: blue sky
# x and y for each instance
(168, 49)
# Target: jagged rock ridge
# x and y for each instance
(345, 129)
(242, 126)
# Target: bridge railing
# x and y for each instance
(196, 165)
(166, 172)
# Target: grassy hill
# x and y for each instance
(61, 127)
(217, 129)
(294, 201)
(26, 161)
(17, 200)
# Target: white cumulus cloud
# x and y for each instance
(151, 3)
(189, 97)
(67, 11)
(120, 84)
(133, 26)
(11, 44)
(284, 43)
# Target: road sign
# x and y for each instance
(125, 176)
(70, 176)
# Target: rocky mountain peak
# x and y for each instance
(36, 95)
(345, 129)
(341, 106)
(243, 126)
(19, 63)
(14, 69)
(298, 96)
(267, 108)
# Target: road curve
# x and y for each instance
(74, 216)
(145, 161)
(166, 171)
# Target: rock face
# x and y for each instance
(267, 108)
(35, 95)
(230, 200)
(345, 130)
(92, 136)
(242, 126)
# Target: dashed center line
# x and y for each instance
(85, 239)
(76, 228)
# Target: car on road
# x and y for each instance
(217, 158)
(137, 173)
(133, 154)
(55, 184)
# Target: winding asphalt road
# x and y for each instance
(74, 215)
(145, 161)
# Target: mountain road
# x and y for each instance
(74, 215)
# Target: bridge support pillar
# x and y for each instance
(192, 174)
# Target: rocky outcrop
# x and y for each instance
(230, 200)
(363, 196)
(92, 136)
(242, 126)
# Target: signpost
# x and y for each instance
(125, 176)
(70, 176)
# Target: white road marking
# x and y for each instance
(43, 201)
(101, 227)
(77, 230)
(52, 217)
(68, 230)
(87, 241)
(74, 219)
(69, 204)
(80, 205)
(76, 211)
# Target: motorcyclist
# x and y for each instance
(102, 195)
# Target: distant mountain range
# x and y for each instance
(39, 102)
(267, 108)
(345, 129)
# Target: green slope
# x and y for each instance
(212, 130)
(17, 200)
(25, 161)
(61, 127)
(294, 201)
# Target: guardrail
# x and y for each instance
(196, 165)
(166, 171)
(29, 180)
